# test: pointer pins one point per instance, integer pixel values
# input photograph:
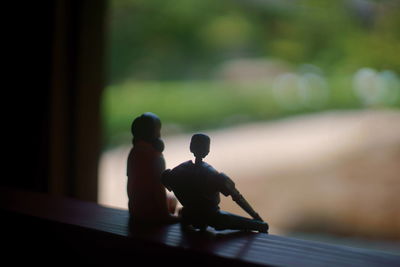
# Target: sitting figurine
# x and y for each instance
(147, 196)
(197, 187)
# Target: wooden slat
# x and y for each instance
(238, 248)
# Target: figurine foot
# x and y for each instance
(263, 228)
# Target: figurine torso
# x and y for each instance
(146, 194)
(196, 186)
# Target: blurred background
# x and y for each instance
(300, 98)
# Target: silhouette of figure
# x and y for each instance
(197, 187)
(147, 196)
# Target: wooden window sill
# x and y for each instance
(71, 229)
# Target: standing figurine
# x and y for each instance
(148, 201)
(197, 187)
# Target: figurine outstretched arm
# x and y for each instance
(229, 189)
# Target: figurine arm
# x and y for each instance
(229, 189)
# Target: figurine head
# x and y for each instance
(200, 145)
(147, 128)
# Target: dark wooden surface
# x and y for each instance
(72, 230)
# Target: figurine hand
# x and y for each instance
(171, 203)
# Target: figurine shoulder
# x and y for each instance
(179, 170)
(209, 168)
(185, 164)
(183, 167)
(226, 185)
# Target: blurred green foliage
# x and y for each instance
(164, 55)
(194, 105)
(186, 39)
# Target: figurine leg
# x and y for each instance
(225, 220)
(193, 219)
